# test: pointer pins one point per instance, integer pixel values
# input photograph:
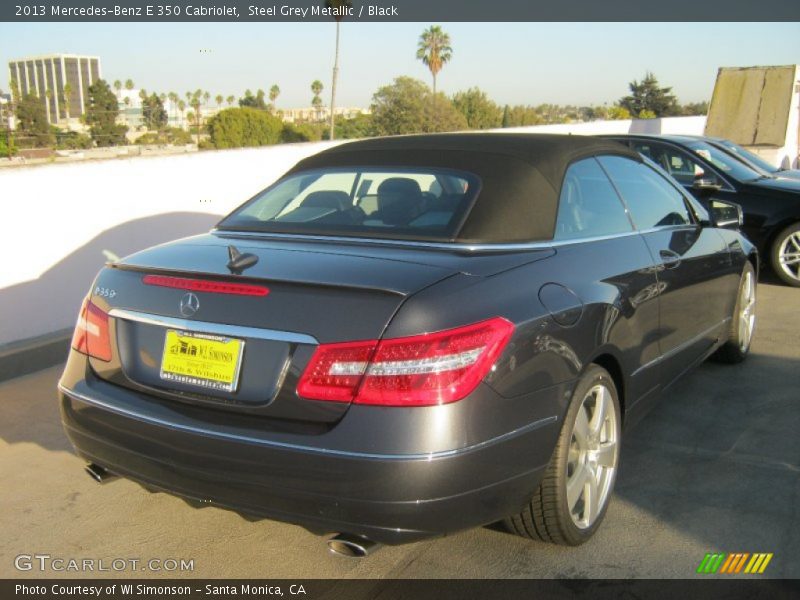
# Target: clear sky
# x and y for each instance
(515, 63)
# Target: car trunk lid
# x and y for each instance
(312, 296)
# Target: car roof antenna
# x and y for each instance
(238, 261)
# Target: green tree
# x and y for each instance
(274, 92)
(618, 113)
(34, 130)
(65, 98)
(648, 96)
(7, 145)
(117, 86)
(408, 106)
(646, 114)
(506, 117)
(316, 100)
(240, 127)
(129, 84)
(71, 140)
(101, 116)
(694, 109)
(337, 6)
(520, 116)
(169, 135)
(479, 111)
(153, 113)
(48, 94)
(219, 100)
(230, 100)
(250, 101)
(433, 49)
(195, 102)
(301, 132)
(360, 126)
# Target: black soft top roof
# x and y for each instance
(520, 173)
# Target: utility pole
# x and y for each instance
(333, 83)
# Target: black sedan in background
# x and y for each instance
(771, 205)
(753, 160)
(410, 336)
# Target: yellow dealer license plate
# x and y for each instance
(208, 361)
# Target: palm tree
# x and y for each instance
(336, 4)
(230, 100)
(182, 107)
(274, 92)
(129, 84)
(195, 104)
(219, 99)
(434, 50)
(65, 98)
(206, 97)
(118, 87)
(49, 95)
(316, 101)
(173, 102)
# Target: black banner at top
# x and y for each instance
(398, 10)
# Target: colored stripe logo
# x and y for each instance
(734, 563)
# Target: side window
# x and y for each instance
(589, 206)
(678, 164)
(652, 200)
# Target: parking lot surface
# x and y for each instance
(714, 468)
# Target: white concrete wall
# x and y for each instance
(56, 221)
(59, 222)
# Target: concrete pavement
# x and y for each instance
(714, 468)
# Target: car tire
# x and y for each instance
(743, 322)
(587, 453)
(787, 245)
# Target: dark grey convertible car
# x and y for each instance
(410, 336)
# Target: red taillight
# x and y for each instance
(205, 285)
(91, 332)
(335, 371)
(423, 370)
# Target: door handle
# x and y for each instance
(670, 259)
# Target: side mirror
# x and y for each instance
(725, 215)
(706, 185)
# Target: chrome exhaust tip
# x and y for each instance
(98, 473)
(352, 546)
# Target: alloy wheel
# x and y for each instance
(789, 255)
(747, 311)
(593, 457)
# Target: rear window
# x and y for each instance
(421, 204)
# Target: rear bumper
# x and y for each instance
(390, 497)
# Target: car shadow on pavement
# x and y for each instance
(718, 459)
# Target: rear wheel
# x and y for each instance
(574, 494)
(785, 255)
(743, 322)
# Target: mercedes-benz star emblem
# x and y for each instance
(189, 304)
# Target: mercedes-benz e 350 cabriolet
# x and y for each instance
(407, 337)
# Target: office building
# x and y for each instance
(48, 76)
